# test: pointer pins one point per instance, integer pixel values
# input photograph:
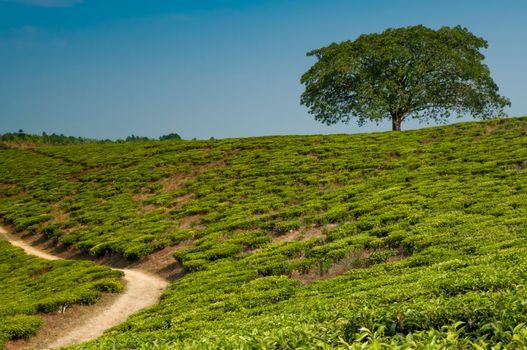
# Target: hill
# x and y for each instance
(411, 239)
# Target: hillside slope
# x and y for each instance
(299, 241)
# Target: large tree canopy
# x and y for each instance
(412, 72)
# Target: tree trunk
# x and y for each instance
(397, 119)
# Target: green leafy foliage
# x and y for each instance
(382, 240)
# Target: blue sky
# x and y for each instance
(112, 68)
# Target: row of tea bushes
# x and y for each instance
(31, 286)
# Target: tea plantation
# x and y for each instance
(30, 286)
(414, 239)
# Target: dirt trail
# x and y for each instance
(142, 290)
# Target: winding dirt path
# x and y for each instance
(142, 290)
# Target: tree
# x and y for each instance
(133, 138)
(171, 136)
(411, 72)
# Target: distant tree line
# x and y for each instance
(61, 139)
(44, 138)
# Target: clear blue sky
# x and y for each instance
(111, 68)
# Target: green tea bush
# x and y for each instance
(19, 326)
